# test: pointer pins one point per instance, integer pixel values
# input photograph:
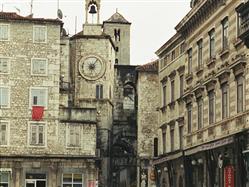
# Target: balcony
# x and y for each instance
(78, 115)
(243, 10)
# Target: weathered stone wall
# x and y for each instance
(147, 114)
(20, 49)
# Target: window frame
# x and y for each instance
(46, 67)
(72, 182)
(46, 33)
(242, 83)
(164, 94)
(8, 65)
(172, 138)
(31, 99)
(200, 113)
(189, 117)
(211, 113)
(172, 91)
(212, 53)
(225, 33)
(200, 53)
(99, 91)
(190, 60)
(7, 133)
(181, 84)
(224, 97)
(68, 138)
(9, 93)
(8, 33)
(37, 123)
(8, 182)
(164, 140)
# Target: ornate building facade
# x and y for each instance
(215, 113)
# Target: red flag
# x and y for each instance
(91, 183)
(37, 113)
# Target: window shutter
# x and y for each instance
(33, 135)
(101, 91)
(41, 135)
(97, 91)
(4, 97)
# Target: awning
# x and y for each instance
(167, 158)
(211, 145)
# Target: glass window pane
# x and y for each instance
(67, 177)
(4, 177)
(77, 178)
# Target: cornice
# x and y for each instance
(197, 15)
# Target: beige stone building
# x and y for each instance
(42, 142)
(171, 112)
(147, 119)
(215, 115)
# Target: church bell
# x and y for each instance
(92, 10)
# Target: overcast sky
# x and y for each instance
(153, 21)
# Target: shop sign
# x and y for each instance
(229, 176)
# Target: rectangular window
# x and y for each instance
(99, 91)
(73, 137)
(4, 65)
(212, 44)
(172, 138)
(224, 93)
(164, 94)
(39, 66)
(36, 180)
(182, 48)
(72, 180)
(40, 34)
(240, 94)
(39, 97)
(200, 54)
(200, 112)
(181, 85)
(181, 136)
(211, 107)
(37, 134)
(172, 90)
(225, 34)
(189, 115)
(190, 61)
(4, 32)
(173, 55)
(164, 140)
(4, 97)
(155, 147)
(3, 133)
(238, 24)
(5, 179)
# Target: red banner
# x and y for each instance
(91, 184)
(229, 176)
(37, 113)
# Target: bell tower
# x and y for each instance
(92, 24)
(92, 10)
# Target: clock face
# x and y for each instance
(91, 68)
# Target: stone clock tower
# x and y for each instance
(92, 71)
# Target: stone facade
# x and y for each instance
(215, 99)
(171, 115)
(38, 151)
(147, 120)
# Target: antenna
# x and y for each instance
(75, 24)
(31, 7)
